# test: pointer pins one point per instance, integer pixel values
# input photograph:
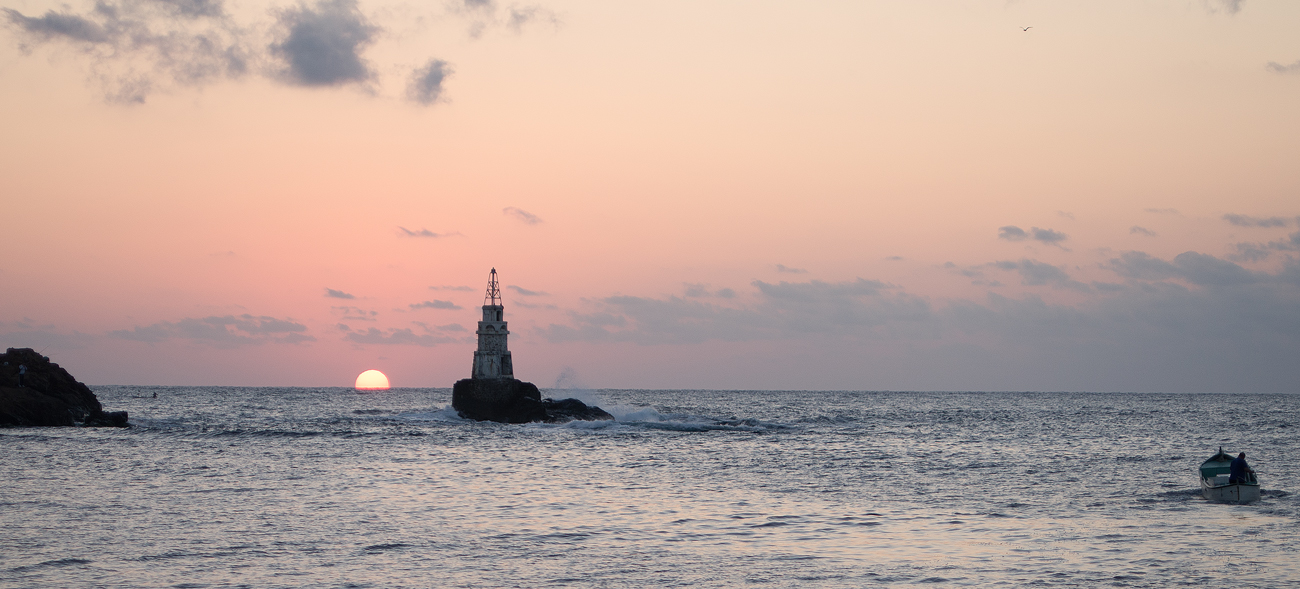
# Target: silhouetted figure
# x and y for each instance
(1239, 471)
(155, 395)
(22, 369)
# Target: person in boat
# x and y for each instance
(1239, 471)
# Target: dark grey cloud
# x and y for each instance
(1012, 233)
(435, 304)
(322, 45)
(338, 294)
(398, 337)
(220, 331)
(138, 46)
(1136, 230)
(522, 215)
(1278, 68)
(526, 292)
(1035, 273)
(425, 83)
(1248, 221)
(788, 270)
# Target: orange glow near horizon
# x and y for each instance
(372, 380)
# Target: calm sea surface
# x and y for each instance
(304, 487)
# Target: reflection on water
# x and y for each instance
(219, 487)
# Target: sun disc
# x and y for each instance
(372, 380)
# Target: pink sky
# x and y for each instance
(763, 195)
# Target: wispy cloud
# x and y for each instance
(788, 270)
(1161, 211)
(697, 291)
(1012, 233)
(455, 288)
(227, 331)
(398, 337)
(355, 313)
(435, 304)
(526, 292)
(1278, 68)
(1248, 221)
(1048, 236)
(1136, 230)
(338, 294)
(136, 47)
(522, 215)
(425, 84)
(404, 232)
(1035, 273)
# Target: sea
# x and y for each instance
(331, 487)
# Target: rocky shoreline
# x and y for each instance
(35, 392)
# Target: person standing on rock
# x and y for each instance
(22, 369)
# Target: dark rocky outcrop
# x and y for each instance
(510, 400)
(49, 396)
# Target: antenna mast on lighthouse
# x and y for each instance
(493, 296)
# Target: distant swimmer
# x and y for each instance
(1025, 28)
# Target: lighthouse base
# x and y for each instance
(510, 400)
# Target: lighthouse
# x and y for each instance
(492, 358)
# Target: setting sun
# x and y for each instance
(372, 380)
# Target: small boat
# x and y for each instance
(1215, 485)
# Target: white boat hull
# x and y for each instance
(1233, 493)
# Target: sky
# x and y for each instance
(935, 195)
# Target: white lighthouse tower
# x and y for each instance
(492, 359)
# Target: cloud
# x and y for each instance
(784, 310)
(355, 313)
(1228, 6)
(1161, 211)
(522, 215)
(894, 258)
(397, 337)
(322, 46)
(1196, 268)
(136, 47)
(526, 292)
(1278, 68)
(425, 84)
(520, 16)
(697, 291)
(788, 270)
(227, 331)
(435, 304)
(1135, 230)
(402, 231)
(1248, 221)
(1012, 233)
(1048, 236)
(456, 288)
(1035, 273)
(338, 294)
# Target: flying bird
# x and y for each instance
(1025, 28)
